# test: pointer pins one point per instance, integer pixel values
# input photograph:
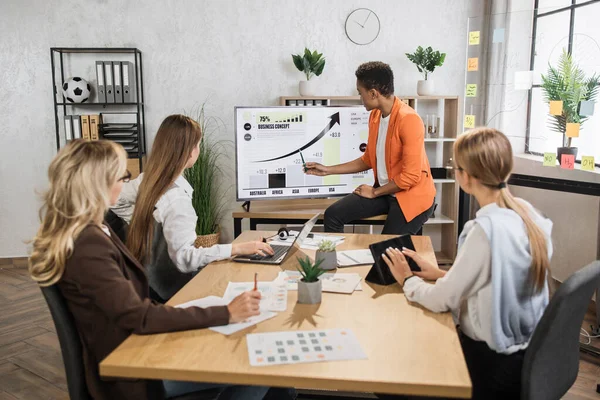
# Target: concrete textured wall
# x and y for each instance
(228, 53)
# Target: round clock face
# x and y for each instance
(362, 26)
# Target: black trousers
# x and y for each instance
(353, 207)
(494, 375)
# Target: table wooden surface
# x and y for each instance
(410, 350)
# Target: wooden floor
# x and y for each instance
(30, 362)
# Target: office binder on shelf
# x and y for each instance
(128, 81)
(68, 128)
(108, 76)
(85, 127)
(76, 126)
(117, 78)
(100, 77)
(94, 122)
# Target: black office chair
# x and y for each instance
(71, 349)
(551, 361)
(120, 227)
(70, 344)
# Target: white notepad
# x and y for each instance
(350, 258)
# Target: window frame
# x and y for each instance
(570, 9)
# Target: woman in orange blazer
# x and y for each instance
(404, 188)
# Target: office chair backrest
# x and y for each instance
(117, 224)
(551, 361)
(70, 343)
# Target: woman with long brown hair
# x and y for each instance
(105, 287)
(497, 288)
(158, 204)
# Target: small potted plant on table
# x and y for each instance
(327, 255)
(309, 287)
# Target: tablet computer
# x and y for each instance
(380, 273)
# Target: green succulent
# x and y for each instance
(568, 84)
(426, 59)
(311, 63)
(326, 245)
(310, 271)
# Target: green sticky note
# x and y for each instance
(549, 160)
(471, 90)
(587, 163)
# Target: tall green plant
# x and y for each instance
(309, 63)
(206, 175)
(568, 84)
(426, 59)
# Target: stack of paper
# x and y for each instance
(212, 301)
(274, 294)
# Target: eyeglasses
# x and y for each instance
(454, 167)
(126, 178)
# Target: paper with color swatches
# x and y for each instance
(274, 294)
(294, 347)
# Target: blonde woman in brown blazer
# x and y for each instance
(105, 287)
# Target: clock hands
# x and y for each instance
(362, 26)
(370, 12)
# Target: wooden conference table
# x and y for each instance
(410, 350)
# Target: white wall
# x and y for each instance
(229, 52)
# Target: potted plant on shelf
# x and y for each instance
(309, 287)
(426, 60)
(568, 84)
(327, 255)
(311, 63)
(205, 177)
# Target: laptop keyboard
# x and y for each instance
(279, 251)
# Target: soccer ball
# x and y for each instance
(76, 90)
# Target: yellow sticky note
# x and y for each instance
(587, 163)
(471, 90)
(469, 121)
(473, 64)
(549, 160)
(572, 129)
(556, 107)
(473, 38)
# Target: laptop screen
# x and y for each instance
(298, 240)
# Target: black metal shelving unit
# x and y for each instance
(57, 60)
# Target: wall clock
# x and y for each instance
(362, 26)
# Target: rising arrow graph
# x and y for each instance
(334, 119)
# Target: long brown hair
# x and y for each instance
(486, 155)
(173, 145)
(81, 176)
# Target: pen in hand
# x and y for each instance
(303, 162)
(255, 281)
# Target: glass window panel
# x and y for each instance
(551, 37)
(586, 34)
(545, 6)
(541, 138)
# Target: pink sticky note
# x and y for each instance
(567, 161)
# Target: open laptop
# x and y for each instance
(281, 251)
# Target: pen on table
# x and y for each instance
(255, 281)
(303, 162)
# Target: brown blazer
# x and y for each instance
(106, 289)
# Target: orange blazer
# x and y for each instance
(405, 158)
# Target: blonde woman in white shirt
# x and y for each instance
(497, 288)
(158, 205)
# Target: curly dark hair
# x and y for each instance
(376, 75)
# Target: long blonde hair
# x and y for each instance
(173, 145)
(81, 177)
(486, 155)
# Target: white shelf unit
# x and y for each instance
(443, 227)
